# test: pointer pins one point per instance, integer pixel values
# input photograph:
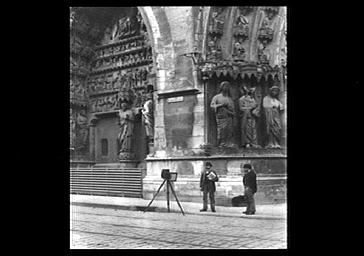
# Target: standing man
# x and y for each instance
(207, 185)
(250, 187)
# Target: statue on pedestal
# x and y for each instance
(212, 50)
(123, 27)
(272, 109)
(223, 106)
(241, 26)
(126, 122)
(148, 117)
(216, 24)
(81, 130)
(249, 112)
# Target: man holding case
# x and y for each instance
(207, 185)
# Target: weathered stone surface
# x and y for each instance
(182, 126)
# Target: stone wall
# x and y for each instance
(180, 102)
(271, 174)
(180, 110)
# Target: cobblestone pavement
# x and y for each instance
(103, 228)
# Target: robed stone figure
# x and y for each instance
(126, 121)
(249, 111)
(148, 118)
(272, 109)
(223, 106)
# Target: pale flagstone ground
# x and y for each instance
(121, 229)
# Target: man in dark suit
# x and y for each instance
(250, 187)
(207, 185)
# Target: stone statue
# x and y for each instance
(72, 132)
(82, 130)
(241, 28)
(148, 117)
(126, 121)
(263, 53)
(216, 23)
(239, 51)
(241, 20)
(122, 27)
(127, 29)
(213, 50)
(249, 111)
(272, 109)
(223, 106)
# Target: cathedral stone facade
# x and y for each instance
(146, 85)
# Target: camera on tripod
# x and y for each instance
(167, 175)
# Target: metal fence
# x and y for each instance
(107, 181)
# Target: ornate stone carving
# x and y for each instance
(123, 27)
(215, 31)
(272, 109)
(216, 25)
(214, 49)
(223, 107)
(249, 111)
(265, 34)
(263, 54)
(239, 51)
(246, 10)
(265, 37)
(271, 11)
(241, 27)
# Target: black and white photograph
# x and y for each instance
(178, 127)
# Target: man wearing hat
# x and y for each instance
(207, 185)
(250, 187)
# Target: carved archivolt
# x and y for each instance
(123, 61)
(254, 38)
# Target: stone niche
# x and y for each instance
(271, 172)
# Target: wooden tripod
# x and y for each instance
(169, 185)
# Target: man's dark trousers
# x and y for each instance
(250, 184)
(250, 200)
(211, 196)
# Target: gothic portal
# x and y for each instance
(111, 67)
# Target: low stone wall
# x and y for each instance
(271, 178)
(82, 164)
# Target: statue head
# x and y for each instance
(274, 91)
(123, 102)
(243, 90)
(124, 106)
(251, 91)
(225, 88)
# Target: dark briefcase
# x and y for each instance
(238, 201)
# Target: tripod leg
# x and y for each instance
(168, 196)
(154, 196)
(174, 193)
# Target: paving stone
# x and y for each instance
(121, 229)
